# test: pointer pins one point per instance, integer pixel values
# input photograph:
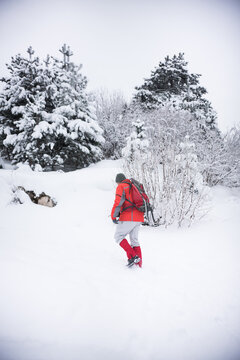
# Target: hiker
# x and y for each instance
(128, 219)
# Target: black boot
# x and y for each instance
(134, 260)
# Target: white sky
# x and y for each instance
(119, 42)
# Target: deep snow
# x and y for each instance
(66, 293)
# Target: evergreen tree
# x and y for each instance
(54, 124)
(136, 153)
(137, 142)
(23, 84)
(172, 81)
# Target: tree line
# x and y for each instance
(167, 133)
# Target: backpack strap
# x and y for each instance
(132, 204)
(147, 204)
(128, 183)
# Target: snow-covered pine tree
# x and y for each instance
(172, 81)
(55, 126)
(79, 138)
(169, 78)
(137, 145)
(20, 88)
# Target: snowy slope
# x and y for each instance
(67, 295)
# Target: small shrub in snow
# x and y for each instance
(183, 194)
(168, 168)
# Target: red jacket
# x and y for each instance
(131, 214)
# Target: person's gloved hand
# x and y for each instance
(115, 221)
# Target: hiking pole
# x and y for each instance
(149, 209)
(154, 221)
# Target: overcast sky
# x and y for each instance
(119, 42)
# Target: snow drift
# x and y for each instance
(66, 293)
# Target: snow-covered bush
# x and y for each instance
(183, 194)
(210, 145)
(173, 97)
(232, 147)
(163, 158)
(110, 109)
(136, 149)
(186, 152)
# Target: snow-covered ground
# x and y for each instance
(66, 293)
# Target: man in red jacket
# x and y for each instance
(128, 220)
